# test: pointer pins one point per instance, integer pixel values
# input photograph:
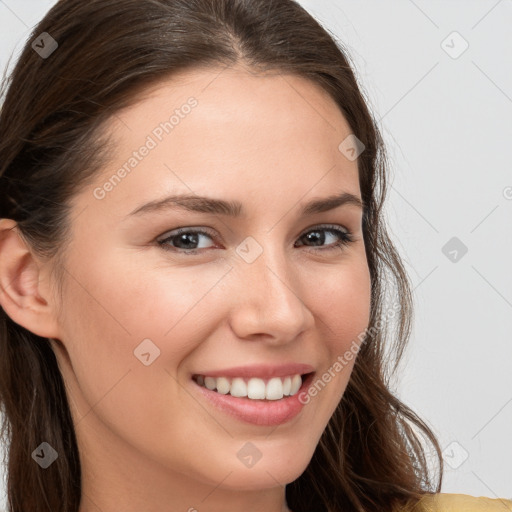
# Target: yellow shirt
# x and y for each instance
(446, 502)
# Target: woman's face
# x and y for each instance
(269, 290)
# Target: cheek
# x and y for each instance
(129, 302)
(342, 310)
(108, 314)
(120, 315)
(341, 299)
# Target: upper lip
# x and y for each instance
(262, 371)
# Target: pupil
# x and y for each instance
(315, 236)
(187, 236)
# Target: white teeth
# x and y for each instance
(238, 388)
(296, 384)
(274, 389)
(256, 389)
(223, 385)
(253, 388)
(287, 385)
(210, 383)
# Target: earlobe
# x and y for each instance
(22, 295)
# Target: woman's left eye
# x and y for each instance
(188, 236)
(316, 235)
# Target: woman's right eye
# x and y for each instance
(184, 237)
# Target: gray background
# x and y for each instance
(446, 117)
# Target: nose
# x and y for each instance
(267, 300)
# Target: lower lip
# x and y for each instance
(258, 412)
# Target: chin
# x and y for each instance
(275, 468)
(261, 479)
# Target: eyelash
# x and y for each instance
(345, 239)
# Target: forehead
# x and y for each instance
(233, 98)
(227, 129)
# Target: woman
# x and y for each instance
(140, 372)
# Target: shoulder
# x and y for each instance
(447, 502)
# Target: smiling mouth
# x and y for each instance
(254, 388)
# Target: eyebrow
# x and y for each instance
(194, 203)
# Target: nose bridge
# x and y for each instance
(269, 303)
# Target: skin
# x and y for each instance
(146, 438)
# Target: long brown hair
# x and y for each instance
(373, 453)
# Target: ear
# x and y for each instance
(24, 290)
